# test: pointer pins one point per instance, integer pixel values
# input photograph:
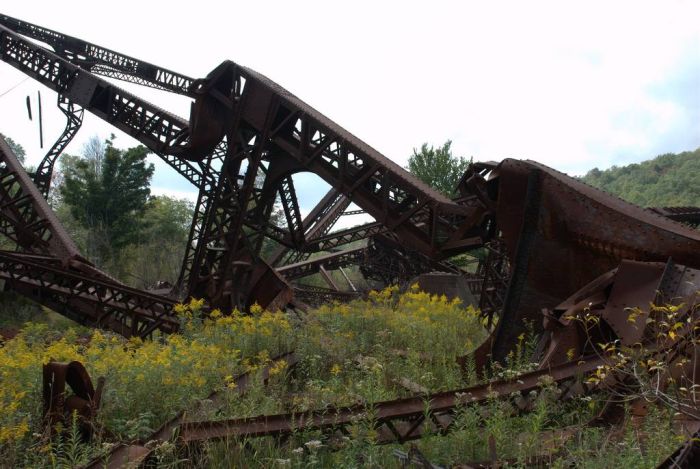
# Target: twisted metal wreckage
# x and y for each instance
(556, 247)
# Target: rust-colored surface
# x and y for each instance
(560, 234)
(59, 407)
(621, 299)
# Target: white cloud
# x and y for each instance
(188, 195)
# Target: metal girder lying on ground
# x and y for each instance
(548, 234)
(687, 456)
(623, 300)
(396, 421)
(137, 453)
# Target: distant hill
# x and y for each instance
(667, 180)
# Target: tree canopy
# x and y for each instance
(107, 192)
(437, 167)
(667, 180)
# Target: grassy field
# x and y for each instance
(388, 346)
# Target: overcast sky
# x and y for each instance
(574, 85)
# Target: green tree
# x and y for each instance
(437, 167)
(106, 193)
(16, 148)
(157, 254)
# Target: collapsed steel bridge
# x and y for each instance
(548, 236)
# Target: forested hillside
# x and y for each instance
(667, 180)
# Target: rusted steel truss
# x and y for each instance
(85, 298)
(607, 297)
(50, 269)
(687, 456)
(547, 235)
(245, 138)
(25, 217)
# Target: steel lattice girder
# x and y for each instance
(424, 219)
(86, 298)
(316, 224)
(74, 119)
(329, 261)
(26, 218)
(159, 130)
(255, 121)
(102, 61)
(55, 274)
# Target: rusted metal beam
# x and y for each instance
(87, 298)
(687, 456)
(331, 261)
(74, 119)
(687, 215)
(568, 226)
(25, 216)
(102, 61)
(138, 453)
(396, 421)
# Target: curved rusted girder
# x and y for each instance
(260, 121)
(425, 220)
(74, 119)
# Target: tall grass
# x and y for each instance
(388, 346)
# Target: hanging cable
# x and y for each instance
(3, 94)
